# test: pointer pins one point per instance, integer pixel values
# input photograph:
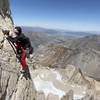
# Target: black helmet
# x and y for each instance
(19, 29)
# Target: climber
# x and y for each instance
(23, 46)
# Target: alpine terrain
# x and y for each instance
(57, 71)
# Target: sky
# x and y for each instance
(82, 15)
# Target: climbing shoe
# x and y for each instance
(23, 71)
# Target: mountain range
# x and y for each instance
(83, 53)
(56, 31)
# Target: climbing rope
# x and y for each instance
(13, 46)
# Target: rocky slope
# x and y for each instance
(89, 56)
(83, 53)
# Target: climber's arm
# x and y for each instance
(14, 40)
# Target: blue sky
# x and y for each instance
(76, 15)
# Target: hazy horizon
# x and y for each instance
(59, 29)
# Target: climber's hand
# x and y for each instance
(5, 36)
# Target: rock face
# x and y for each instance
(6, 21)
(12, 87)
